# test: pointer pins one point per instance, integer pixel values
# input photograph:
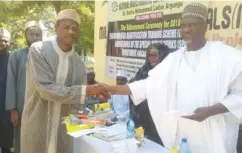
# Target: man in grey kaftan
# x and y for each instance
(55, 79)
(41, 96)
(16, 79)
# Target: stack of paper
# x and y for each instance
(124, 146)
(112, 133)
(84, 132)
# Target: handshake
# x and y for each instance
(100, 91)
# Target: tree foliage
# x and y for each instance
(14, 15)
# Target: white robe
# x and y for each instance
(217, 73)
(120, 105)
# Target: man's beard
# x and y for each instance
(3, 50)
(29, 43)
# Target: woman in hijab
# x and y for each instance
(156, 53)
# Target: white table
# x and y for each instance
(90, 144)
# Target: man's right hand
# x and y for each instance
(97, 91)
(15, 117)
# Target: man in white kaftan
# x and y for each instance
(204, 78)
(55, 82)
(217, 79)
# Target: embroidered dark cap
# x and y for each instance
(195, 10)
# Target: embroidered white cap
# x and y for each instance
(121, 74)
(31, 24)
(89, 70)
(70, 14)
(4, 33)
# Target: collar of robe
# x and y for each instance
(61, 52)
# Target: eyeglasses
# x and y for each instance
(153, 55)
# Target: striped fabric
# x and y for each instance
(43, 92)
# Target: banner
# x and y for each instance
(134, 25)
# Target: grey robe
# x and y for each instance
(16, 87)
(43, 94)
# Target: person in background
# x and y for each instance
(120, 103)
(156, 53)
(17, 77)
(6, 128)
(91, 77)
(90, 101)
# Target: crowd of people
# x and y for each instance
(41, 83)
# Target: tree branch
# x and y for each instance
(57, 6)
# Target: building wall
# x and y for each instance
(100, 43)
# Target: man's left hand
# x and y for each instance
(200, 114)
(15, 117)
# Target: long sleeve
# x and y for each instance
(11, 89)
(138, 90)
(233, 101)
(43, 79)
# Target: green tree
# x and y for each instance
(14, 14)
